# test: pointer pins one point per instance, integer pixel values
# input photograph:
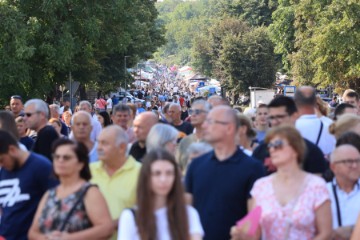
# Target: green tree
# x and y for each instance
(89, 39)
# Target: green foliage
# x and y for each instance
(42, 41)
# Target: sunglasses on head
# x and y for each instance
(16, 97)
(278, 144)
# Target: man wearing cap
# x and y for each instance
(16, 106)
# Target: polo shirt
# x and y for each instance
(220, 190)
(349, 204)
(120, 188)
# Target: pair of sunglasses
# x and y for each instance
(278, 144)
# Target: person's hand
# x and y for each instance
(239, 234)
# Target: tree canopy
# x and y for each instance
(42, 41)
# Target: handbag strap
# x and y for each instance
(68, 216)
(337, 204)
(319, 135)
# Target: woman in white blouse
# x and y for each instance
(161, 212)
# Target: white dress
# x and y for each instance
(127, 228)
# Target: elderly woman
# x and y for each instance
(162, 135)
(67, 211)
(295, 204)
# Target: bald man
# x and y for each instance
(116, 174)
(218, 183)
(174, 114)
(308, 124)
(216, 100)
(142, 125)
(344, 190)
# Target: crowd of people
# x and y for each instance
(181, 168)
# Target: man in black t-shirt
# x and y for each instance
(142, 125)
(185, 128)
(36, 118)
(282, 110)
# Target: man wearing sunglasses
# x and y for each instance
(36, 118)
(16, 105)
(344, 190)
(198, 113)
(283, 111)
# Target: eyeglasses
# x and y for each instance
(278, 144)
(211, 122)
(30, 114)
(16, 97)
(349, 162)
(277, 117)
(65, 157)
(196, 111)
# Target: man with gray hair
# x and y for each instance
(121, 117)
(198, 112)
(81, 129)
(116, 173)
(96, 125)
(55, 113)
(344, 190)
(308, 124)
(36, 116)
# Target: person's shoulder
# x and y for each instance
(38, 159)
(316, 181)
(202, 160)
(95, 166)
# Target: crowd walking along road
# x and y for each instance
(175, 164)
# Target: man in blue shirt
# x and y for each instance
(24, 178)
(219, 183)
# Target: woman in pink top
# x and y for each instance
(295, 204)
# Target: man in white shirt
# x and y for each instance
(345, 190)
(308, 124)
(96, 125)
(109, 105)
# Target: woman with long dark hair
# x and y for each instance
(161, 212)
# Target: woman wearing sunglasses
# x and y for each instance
(295, 204)
(161, 212)
(75, 209)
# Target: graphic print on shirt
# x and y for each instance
(10, 192)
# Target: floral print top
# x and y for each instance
(56, 210)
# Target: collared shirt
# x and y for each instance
(349, 204)
(120, 188)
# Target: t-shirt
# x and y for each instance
(101, 103)
(45, 138)
(220, 190)
(185, 128)
(314, 161)
(20, 194)
(109, 103)
(27, 141)
(128, 230)
(137, 152)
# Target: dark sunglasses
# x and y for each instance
(30, 114)
(278, 144)
(196, 111)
